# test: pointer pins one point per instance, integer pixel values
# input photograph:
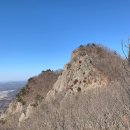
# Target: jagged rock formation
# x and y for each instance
(78, 75)
(92, 93)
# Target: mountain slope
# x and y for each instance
(92, 93)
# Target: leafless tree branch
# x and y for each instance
(123, 50)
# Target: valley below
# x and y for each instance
(7, 93)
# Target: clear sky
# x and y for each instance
(40, 34)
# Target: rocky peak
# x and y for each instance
(79, 75)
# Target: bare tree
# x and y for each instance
(129, 53)
(126, 50)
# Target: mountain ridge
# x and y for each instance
(91, 93)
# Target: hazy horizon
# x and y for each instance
(12, 81)
(40, 35)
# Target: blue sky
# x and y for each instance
(39, 34)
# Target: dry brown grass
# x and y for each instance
(104, 59)
(38, 86)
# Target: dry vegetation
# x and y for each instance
(37, 87)
(104, 59)
(105, 108)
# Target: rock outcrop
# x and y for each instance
(78, 75)
(14, 108)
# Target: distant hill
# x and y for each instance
(91, 93)
(11, 85)
(8, 90)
